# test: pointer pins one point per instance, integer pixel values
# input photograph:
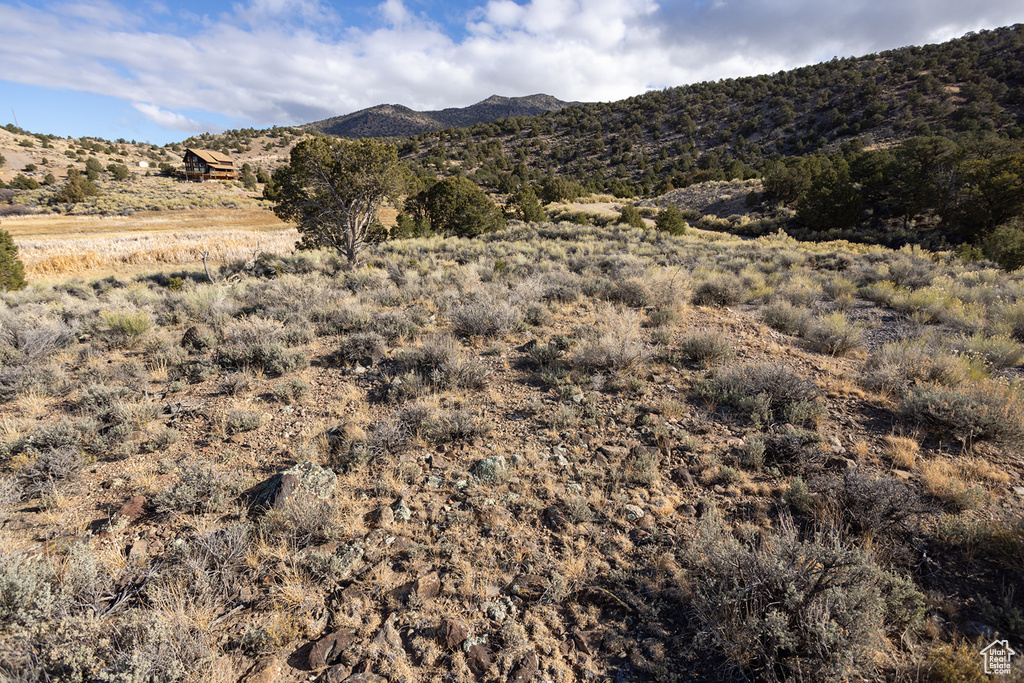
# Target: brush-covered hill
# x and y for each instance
(968, 88)
(391, 120)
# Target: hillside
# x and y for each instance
(394, 120)
(971, 88)
(557, 453)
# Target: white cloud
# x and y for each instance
(395, 13)
(169, 119)
(292, 61)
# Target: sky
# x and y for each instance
(158, 71)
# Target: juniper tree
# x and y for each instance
(12, 270)
(332, 189)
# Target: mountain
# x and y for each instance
(395, 120)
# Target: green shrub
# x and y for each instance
(238, 420)
(456, 206)
(630, 215)
(125, 327)
(707, 349)
(23, 182)
(1005, 245)
(523, 205)
(720, 290)
(292, 391)
(783, 316)
(271, 358)
(490, 319)
(632, 292)
(896, 367)
(198, 491)
(999, 352)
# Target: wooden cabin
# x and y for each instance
(201, 164)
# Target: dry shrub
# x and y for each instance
(898, 366)
(783, 607)
(977, 411)
(618, 346)
(956, 663)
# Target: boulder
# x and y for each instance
(528, 587)
(126, 514)
(301, 483)
(329, 648)
(453, 632)
(492, 469)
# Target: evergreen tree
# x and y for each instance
(630, 216)
(523, 205)
(670, 220)
(12, 270)
(456, 206)
(333, 188)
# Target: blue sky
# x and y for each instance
(160, 71)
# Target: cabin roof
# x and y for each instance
(213, 159)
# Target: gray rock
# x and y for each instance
(401, 511)
(299, 483)
(492, 469)
(348, 559)
(634, 512)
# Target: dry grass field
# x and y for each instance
(55, 245)
(559, 452)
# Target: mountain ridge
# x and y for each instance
(397, 120)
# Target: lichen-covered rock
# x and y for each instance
(492, 470)
(302, 482)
